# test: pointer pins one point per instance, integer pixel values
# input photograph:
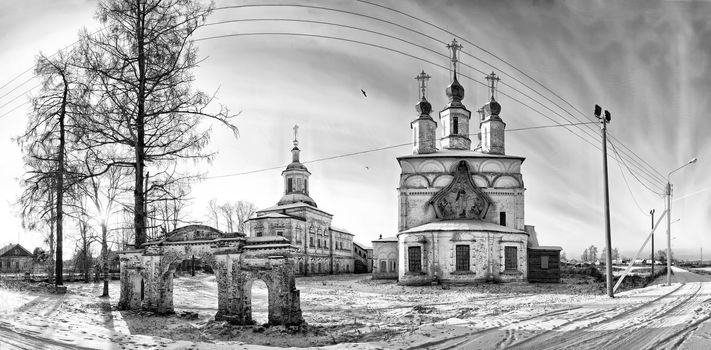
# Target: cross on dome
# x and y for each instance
(423, 78)
(454, 46)
(493, 81)
(296, 131)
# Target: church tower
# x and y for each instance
(492, 127)
(455, 117)
(424, 128)
(296, 178)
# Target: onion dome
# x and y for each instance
(423, 107)
(492, 108)
(455, 91)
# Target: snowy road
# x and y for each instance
(365, 314)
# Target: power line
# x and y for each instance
(374, 150)
(623, 176)
(437, 40)
(392, 50)
(619, 165)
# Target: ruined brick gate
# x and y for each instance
(147, 274)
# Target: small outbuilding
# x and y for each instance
(544, 264)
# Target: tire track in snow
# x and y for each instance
(460, 340)
(545, 339)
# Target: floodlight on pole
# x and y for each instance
(669, 222)
(608, 240)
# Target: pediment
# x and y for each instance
(462, 198)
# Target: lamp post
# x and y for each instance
(669, 192)
(604, 120)
(651, 212)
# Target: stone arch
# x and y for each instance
(442, 180)
(431, 166)
(407, 168)
(480, 181)
(492, 166)
(416, 181)
(506, 181)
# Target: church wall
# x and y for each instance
(438, 257)
(385, 260)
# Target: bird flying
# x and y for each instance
(363, 91)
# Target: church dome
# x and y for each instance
(423, 107)
(291, 198)
(455, 91)
(296, 165)
(492, 108)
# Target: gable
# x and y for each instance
(462, 198)
(15, 250)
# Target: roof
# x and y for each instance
(292, 206)
(333, 228)
(259, 240)
(11, 246)
(546, 247)
(362, 246)
(462, 225)
(385, 239)
(460, 154)
(274, 215)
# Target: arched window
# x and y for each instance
(383, 266)
(289, 185)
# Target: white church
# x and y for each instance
(461, 208)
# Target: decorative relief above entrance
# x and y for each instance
(462, 198)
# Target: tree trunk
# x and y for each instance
(139, 192)
(60, 187)
(50, 262)
(105, 260)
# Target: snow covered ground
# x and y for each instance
(354, 312)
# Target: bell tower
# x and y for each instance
(455, 116)
(492, 127)
(296, 178)
(424, 128)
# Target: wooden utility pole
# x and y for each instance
(608, 240)
(652, 213)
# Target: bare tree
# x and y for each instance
(50, 128)
(228, 213)
(141, 64)
(103, 194)
(86, 236)
(244, 211)
(213, 213)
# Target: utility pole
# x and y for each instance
(608, 240)
(651, 212)
(669, 194)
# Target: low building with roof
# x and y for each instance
(363, 258)
(15, 258)
(385, 258)
(321, 247)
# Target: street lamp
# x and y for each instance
(669, 192)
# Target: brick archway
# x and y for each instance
(237, 261)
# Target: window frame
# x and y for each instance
(462, 263)
(414, 259)
(508, 250)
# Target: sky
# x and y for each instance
(647, 62)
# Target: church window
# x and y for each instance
(313, 267)
(455, 125)
(280, 233)
(544, 262)
(462, 258)
(301, 267)
(502, 218)
(311, 242)
(289, 185)
(383, 266)
(259, 233)
(394, 266)
(510, 259)
(318, 243)
(298, 184)
(319, 267)
(414, 257)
